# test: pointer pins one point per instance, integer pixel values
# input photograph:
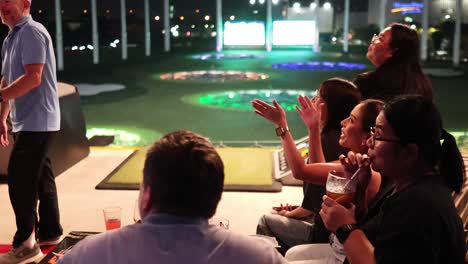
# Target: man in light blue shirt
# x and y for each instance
(28, 93)
(183, 180)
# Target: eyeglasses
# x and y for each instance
(374, 139)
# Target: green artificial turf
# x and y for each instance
(246, 169)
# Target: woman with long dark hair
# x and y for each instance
(395, 54)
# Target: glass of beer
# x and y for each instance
(340, 188)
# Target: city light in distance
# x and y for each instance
(232, 17)
(275, 2)
(327, 5)
(252, 2)
(313, 5)
(261, 2)
(297, 5)
(157, 18)
(181, 18)
(207, 18)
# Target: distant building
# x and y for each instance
(325, 16)
(356, 20)
(401, 10)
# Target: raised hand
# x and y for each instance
(273, 113)
(310, 111)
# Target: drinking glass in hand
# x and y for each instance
(340, 188)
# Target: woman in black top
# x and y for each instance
(395, 54)
(416, 222)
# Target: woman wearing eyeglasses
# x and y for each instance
(417, 222)
(395, 54)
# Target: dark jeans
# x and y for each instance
(30, 178)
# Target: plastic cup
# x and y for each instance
(112, 217)
(221, 222)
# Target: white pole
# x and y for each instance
(269, 26)
(383, 10)
(456, 37)
(167, 32)
(346, 27)
(59, 35)
(147, 30)
(425, 28)
(123, 19)
(95, 32)
(317, 28)
(219, 26)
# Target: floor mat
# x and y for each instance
(45, 249)
(246, 169)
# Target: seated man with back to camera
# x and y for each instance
(183, 180)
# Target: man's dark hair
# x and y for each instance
(186, 175)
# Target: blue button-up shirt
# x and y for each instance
(30, 43)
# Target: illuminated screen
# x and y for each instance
(288, 32)
(407, 8)
(244, 33)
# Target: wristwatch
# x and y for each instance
(342, 233)
(281, 131)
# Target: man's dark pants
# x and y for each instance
(30, 177)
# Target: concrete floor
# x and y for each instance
(81, 205)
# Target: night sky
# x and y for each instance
(73, 8)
